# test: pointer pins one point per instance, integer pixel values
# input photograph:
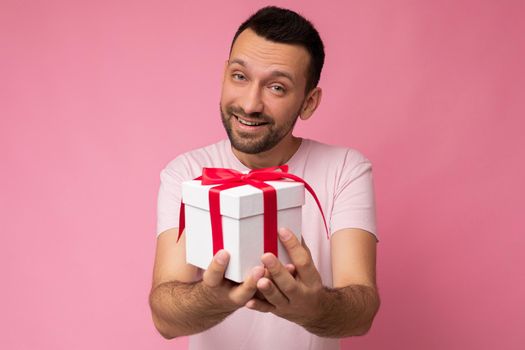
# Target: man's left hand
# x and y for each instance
(294, 295)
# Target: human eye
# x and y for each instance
(278, 89)
(238, 76)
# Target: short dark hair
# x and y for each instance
(285, 26)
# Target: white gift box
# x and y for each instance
(242, 223)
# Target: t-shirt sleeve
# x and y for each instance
(354, 203)
(169, 197)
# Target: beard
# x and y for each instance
(248, 142)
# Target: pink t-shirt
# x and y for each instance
(342, 180)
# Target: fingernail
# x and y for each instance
(263, 284)
(221, 257)
(285, 234)
(269, 260)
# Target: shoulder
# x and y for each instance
(337, 157)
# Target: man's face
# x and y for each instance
(262, 92)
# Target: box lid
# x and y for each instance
(243, 201)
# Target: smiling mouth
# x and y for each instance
(248, 123)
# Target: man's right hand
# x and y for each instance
(225, 293)
(181, 302)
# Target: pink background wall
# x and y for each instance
(97, 96)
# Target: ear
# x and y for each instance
(311, 102)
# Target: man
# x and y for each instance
(329, 290)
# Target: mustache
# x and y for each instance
(241, 113)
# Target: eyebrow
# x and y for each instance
(273, 73)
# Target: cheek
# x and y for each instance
(228, 94)
(282, 109)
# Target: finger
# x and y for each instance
(300, 257)
(246, 290)
(214, 275)
(290, 268)
(271, 292)
(303, 244)
(259, 305)
(280, 275)
(259, 295)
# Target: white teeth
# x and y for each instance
(247, 122)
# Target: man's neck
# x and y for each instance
(278, 155)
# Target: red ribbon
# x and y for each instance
(229, 178)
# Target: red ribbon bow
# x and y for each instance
(229, 178)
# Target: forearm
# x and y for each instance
(180, 309)
(344, 312)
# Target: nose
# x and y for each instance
(251, 101)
